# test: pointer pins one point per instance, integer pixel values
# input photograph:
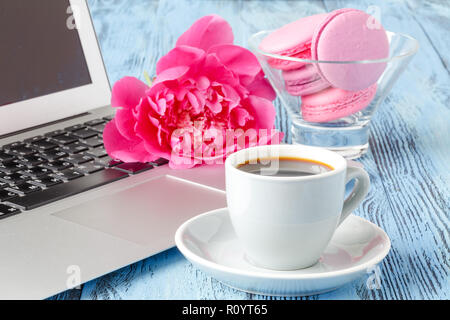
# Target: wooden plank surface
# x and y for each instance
(409, 159)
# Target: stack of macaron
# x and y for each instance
(329, 91)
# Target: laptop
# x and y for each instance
(68, 212)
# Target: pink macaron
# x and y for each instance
(349, 35)
(292, 40)
(334, 103)
(303, 81)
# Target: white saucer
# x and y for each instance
(209, 242)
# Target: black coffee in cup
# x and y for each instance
(285, 167)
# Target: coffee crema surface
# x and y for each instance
(284, 167)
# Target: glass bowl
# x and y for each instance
(348, 135)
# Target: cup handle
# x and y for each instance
(359, 191)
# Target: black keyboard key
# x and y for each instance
(45, 182)
(24, 188)
(34, 139)
(85, 133)
(93, 142)
(64, 139)
(7, 211)
(94, 122)
(53, 154)
(14, 178)
(96, 153)
(57, 165)
(74, 148)
(75, 127)
(3, 185)
(160, 162)
(43, 145)
(77, 158)
(36, 172)
(6, 195)
(89, 167)
(11, 167)
(55, 133)
(68, 175)
(4, 157)
(134, 167)
(99, 128)
(32, 160)
(109, 118)
(21, 151)
(13, 145)
(67, 189)
(113, 162)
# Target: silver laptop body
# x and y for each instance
(56, 245)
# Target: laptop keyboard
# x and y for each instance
(59, 164)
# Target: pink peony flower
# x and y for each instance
(209, 98)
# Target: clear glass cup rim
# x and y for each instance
(254, 45)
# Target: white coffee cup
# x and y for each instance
(285, 223)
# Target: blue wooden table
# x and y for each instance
(408, 161)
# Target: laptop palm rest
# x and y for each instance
(146, 213)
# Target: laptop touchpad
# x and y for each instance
(147, 213)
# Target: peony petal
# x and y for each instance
(262, 111)
(118, 147)
(239, 60)
(231, 96)
(206, 32)
(214, 106)
(194, 102)
(162, 106)
(127, 92)
(125, 123)
(240, 116)
(181, 56)
(203, 83)
(261, 87)
(171, 74)
(219, 73)
(148, 132)
(201, 98)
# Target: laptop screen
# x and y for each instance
(40, 50)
